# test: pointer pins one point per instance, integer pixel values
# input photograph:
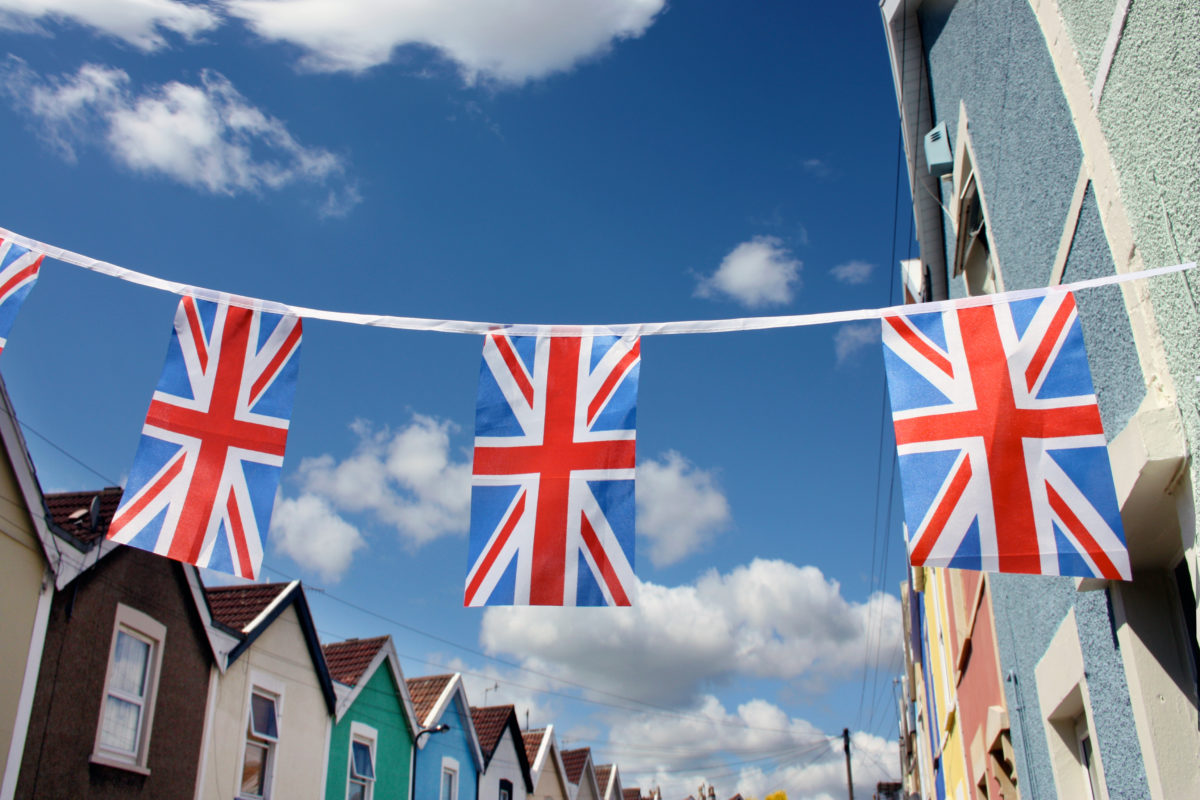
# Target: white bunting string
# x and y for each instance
(629, 329)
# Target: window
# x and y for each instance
(130, 686)
(449, 790)
(1087, 759)
(262, 737)
(361, 778)
(505, 789)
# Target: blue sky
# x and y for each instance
(526, 162)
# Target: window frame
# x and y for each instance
(272, 689)
(363, 734)
(143, 628)
(449, 767)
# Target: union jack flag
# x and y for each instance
(204, 477)
(552, 497)
(1002, 454)
(18, 272)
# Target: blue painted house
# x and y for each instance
(1047, 142)
(447, 755)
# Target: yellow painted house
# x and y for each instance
(27, 569)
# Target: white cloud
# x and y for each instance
(853, 337)
(853, 273)
(756, 273)
(140, 23)
(679, 507)
(511, 41)
(406, 479)
(768, 619)
(205, 136)
(806, 763)
(314, 536)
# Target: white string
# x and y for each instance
(631, 329)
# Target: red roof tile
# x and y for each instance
(237, 606)
(425, 693)
(574, 761)
(490, 724)
(603, 774)
(71, 512)
(533, 743)
(631, 794)
(349, 659)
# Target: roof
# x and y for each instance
(574, 761)
(533, 743)
(349, 659)
(235, 607)
(603, 773)
(71, 512)
(633, 793)
(425, 692)
(490, 723)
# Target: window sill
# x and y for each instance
(128, 766)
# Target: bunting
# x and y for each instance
(203, 480)
(18, 272)
(552, 498)
(1003, 458)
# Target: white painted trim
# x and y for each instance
(209, 712)
(1115, 29)
(1070, 225)
(271, 606)
(219, 642)
(33, 665)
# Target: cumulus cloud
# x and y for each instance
(679, 507)
(756, 273)
(853, 273)
(509, 41)
(767, 619)
(806, 762)
(140, 23)
(312, 534)
(853, 337)
(407, 479)
(206, 136)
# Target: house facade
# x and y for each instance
(371, 743)
(581, 773)
(1070, 133)
(119, 709)
(546, 765)
(505, 773)
(26, 590)
(448, 760)
(270, 700)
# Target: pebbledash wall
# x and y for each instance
(1010, 66)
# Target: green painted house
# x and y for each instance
(371, 745)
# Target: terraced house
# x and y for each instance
(1047, 142)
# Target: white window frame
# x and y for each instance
(144, 628)
(449, 765)
(365, 734)
(266, 686)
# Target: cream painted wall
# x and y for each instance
(551, 784)
(586, 781)
(504, 765)
(279, 655)
(22, 569)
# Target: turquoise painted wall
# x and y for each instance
(378, 705)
